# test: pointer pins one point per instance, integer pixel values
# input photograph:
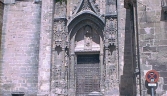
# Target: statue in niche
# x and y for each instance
(88, 37)
(110, 33)
(58, 30)
(111, 6)
(109, 24)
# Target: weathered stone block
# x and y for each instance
(159, 67)
(149, 49)
(162, 48)
(165, 80)
(163, 73)
(165, 87)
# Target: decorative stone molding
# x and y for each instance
(85, 5)
(111, 7)
(60, 10)
(60, 32)
(110, 31)
(9, 1)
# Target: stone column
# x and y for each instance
(102, 67)
(71, 89)
(45, 48)
(102, 72)
(63, 65)
(106, 64)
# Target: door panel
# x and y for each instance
(87, 74)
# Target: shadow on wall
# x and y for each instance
(163, 15)
(128, 82)
(163, 10)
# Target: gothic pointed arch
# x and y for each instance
(85, 18)
(85, 37)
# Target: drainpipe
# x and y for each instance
(138, 70)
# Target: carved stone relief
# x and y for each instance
(95, 4)
(59, 58)
(60, 33)
(111, 7)
(88, 38)
(110, 31)
(111, 68)
(86, 5)
(57, 80)
(60, 10)
(110, 40)
(90, 5)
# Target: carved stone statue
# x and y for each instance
(88, 37)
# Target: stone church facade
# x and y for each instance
(81, 47)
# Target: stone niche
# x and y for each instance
(87, 39)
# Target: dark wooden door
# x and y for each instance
(87, 74)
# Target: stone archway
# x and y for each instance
(86, 41)
(87, 49)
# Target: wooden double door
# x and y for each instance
(87, 74)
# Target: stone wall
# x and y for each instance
(1, 21)
(152, 42)
(20, 48)
(1, 17)
(25, 26)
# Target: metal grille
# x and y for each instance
(87, 75)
